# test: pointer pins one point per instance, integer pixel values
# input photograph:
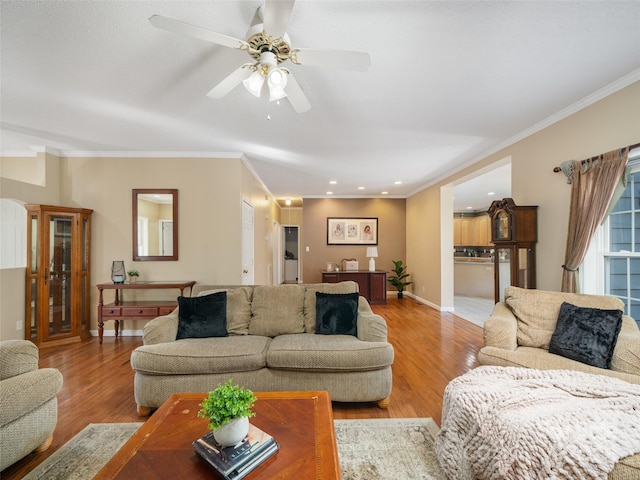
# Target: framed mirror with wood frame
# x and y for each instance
(155, 224)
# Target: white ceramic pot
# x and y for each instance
(233, 432)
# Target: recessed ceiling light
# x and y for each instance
(398, 182)
(287, 201)
(360, 188)
(332, 182)
(329, 193)
(385, 193)
(491, 193)
(469, 208)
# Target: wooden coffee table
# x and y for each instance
(301, 422)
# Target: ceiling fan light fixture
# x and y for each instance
(276, 80)
(254, 83)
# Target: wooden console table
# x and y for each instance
(372, 285)
(135, 310)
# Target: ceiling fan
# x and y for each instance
(269, 46)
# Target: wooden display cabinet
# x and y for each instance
(514, 233)
(58, 274)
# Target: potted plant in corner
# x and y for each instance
(400, 275)
(228, 409)
(133, 275)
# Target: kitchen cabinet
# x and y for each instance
(472, 231)
(482, 231)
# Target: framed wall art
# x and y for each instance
(352, 231)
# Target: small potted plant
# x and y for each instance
(400, 275)
(228, 409)
(133, 275)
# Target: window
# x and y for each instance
(13, 234)
(612, 266)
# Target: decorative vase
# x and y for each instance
(233, 432)
(133, 279)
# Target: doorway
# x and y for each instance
(473, 291)
(247, 243)
(291, 235)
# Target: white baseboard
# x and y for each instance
(427, 302)
(121, 333)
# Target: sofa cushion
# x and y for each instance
(626, 355)
(277, 310)
(537, 311)
(587, 335)
(238, 308)
(327, 353)
(310, 299)
(201, 317)
(337, 313)
(235, 353)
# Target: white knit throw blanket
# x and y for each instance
(519, 423)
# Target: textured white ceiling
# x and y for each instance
(449, 82)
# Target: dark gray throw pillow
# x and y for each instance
(337, 313)
(200, 317)
(587, 335)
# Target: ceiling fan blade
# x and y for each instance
(276, 16)
(230, 82)
(296, 96)
(177, 26)
(359, 61)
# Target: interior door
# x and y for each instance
(277, 260)
(247, 243)
(166, 237)
(57, 276)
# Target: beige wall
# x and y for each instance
(265, 213)
(30, 188)
(391, 216)
(606, 125)
(37, 179)
(424, 244)
(210, 193)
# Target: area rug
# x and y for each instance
(83, 456)
(372, 449)
(388, 448)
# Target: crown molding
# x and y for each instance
(148, 154)
(355, 196)
(596, 96)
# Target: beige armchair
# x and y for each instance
(518, 332)
(28, 403)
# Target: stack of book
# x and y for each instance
(235, 462)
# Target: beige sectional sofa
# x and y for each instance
(271, 346)
(519, 330)
(28, 403)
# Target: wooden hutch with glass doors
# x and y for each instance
(58, 274)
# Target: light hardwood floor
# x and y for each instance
(431, 348)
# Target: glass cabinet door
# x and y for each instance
(33, 304)
(503, 267)
(57, 278)
(524, 272)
